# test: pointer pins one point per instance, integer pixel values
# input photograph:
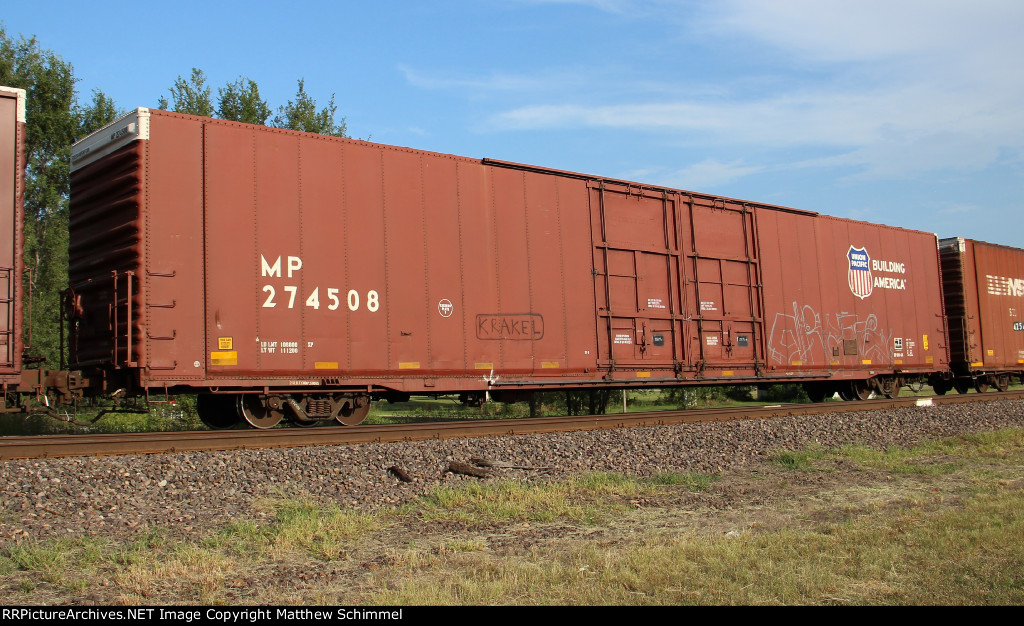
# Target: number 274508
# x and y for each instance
(353, 300)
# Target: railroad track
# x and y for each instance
(51, 446)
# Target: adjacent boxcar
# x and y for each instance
(984, 294)
(298, 275)
(12, 191)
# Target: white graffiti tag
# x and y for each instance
(808, 338)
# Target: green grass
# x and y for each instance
(798, 459)
(586, 499)
(948, 546)
(971, 555)
(1002, 444)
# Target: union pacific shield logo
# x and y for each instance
(861, 281)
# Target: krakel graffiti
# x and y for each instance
(808, 338)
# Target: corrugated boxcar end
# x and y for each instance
(105, 253)
(12, 191)
(130, 127)
(960, 303)
(19, 96)
(136, 277)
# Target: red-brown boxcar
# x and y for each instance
(12, 190)
(305, 273)
(984, 293)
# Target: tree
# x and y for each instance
(54, 121)
(99, 114)
(240, 102)
(190, 95)
(587, 401)
(301, 114)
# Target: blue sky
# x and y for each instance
(890, 111)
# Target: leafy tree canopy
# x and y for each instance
(240, 101)
(191, 95)
(55, 119)
(302, 114)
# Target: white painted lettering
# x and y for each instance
(1004, 286)
(891, 283)
(271, 270)
(891, 267)
(294, 265)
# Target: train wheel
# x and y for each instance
(1002, 382)
(940, 386)
(962, 385)
(890, 386)
(354, 412)
(981, 384)
(216, 411)
(860, 390)
(255, 411)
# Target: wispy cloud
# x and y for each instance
(884, 88)
(493, 82)
(610, 6)
(707, 174)
(878, 30)
(957, 209)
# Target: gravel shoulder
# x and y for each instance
(120, 497)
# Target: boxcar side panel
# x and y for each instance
(171, 272)
(405, 289)
(441, 269)
(340, 262)
(848, 298)
(233, 285)
(577, 271)
(546, 326)
(478, 290)
(999, 280)
(528, 285)
(360, 252)
(787, 243)
(512, 273)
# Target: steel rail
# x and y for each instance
(52, 446)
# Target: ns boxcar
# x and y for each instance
(984, 293)
(291, 275)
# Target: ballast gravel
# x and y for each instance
(187, 493)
